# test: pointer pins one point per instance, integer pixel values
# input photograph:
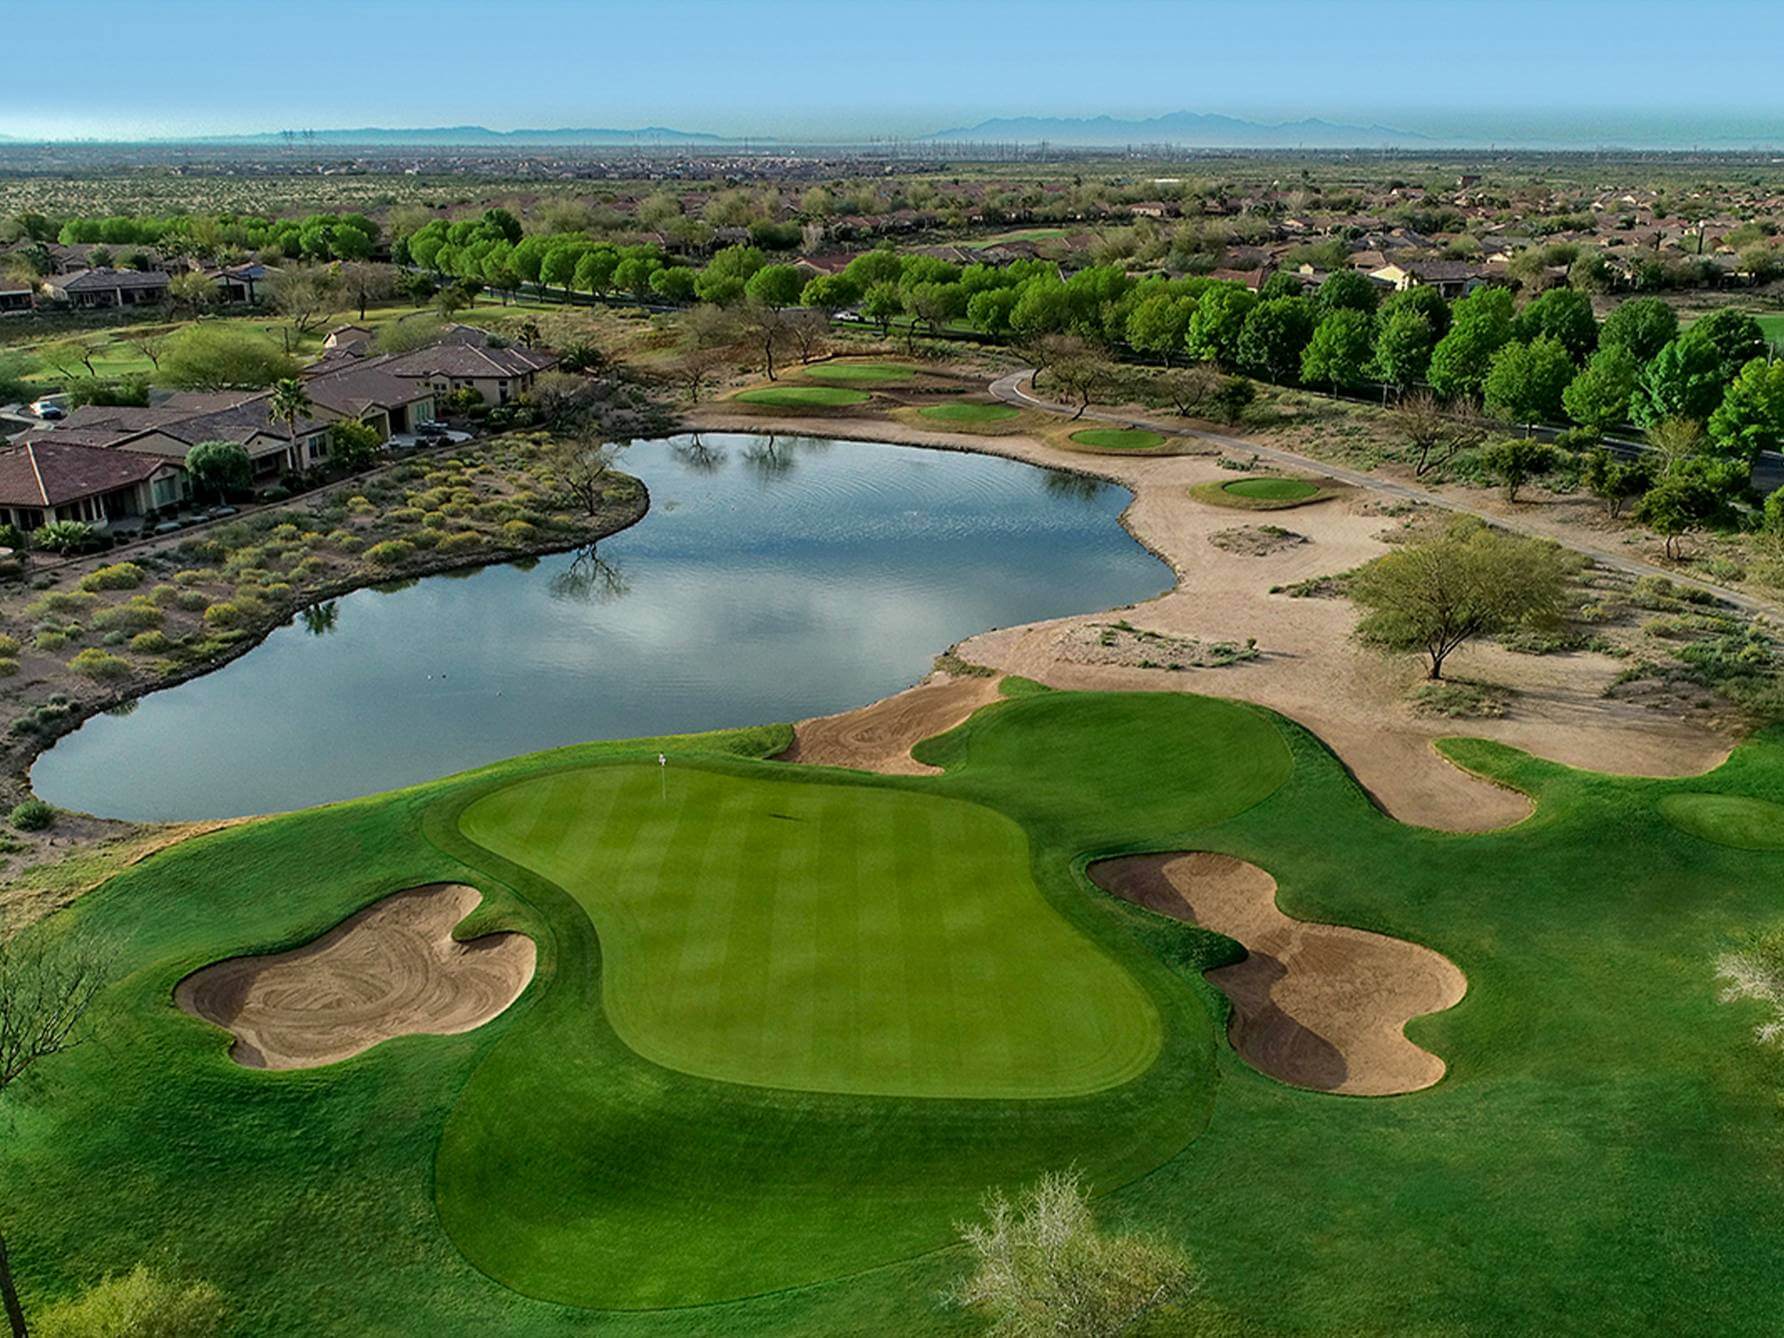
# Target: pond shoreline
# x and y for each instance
(425, 563)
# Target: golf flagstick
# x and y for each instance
(663, 771)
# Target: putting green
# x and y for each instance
(863, 372)
(805, 397)
(1727, 819)
(822, 937)
(1272, 489)
(1118, 438)
(970, 413)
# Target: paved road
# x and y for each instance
(1010, 390)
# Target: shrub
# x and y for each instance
(139, 1303)
(9, 645)
(193, 601)
(34, 815)
(461, 542)
(8, 667)
(405, 515)
(425, 538)
(153, 642)
(518, 531)
(165, 596)
(346, 541)
(137, 615)
(226, 615)
(390, 552)
(117, 576)
(60, 601)
(100, 664)
(51, 638)
(65, 536)
(195, 576)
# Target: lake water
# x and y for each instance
(774, 578)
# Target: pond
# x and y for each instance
(774, 578)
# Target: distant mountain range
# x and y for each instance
(1189, 129)
(472, 135)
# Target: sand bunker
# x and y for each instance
(393, 969)
(1315, 1005)
(880, 737)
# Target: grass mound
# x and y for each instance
(862, 373)
(1261, 492)
(1119, 438)
(805, 397)
(1733, 820)
(970, 414)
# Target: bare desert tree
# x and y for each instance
(583, 464)
(303, 294)
(1042, 1267)
(806, 329)
(47, 984)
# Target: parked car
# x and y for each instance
(431, 429)
(49, 410)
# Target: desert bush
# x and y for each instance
(196, 576)
(152, 642)
(51, 638)
(117, 576)
(462, 541)
(226, 615)
(165, 596)
(137, 615)
(518, 531)
(34, 815)
(9, 646)
(61, 601)
(404, 515)
(193, 601)
(390, 553)
(103, 665)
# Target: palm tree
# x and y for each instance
(290, 402)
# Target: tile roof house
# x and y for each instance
(108, 287)
(1451, 278)
(44, 477)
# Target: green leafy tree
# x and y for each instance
(726, 277)
(1526, 382)
(220, 467)
(829, 293)
(775, 286)
(1282, 283)
(289, 402)
(1218, 323)
(1403, 347)
(1734, 335)
(1347, 290)
(1339, 352)
(1514, 461)
(1042, 1268)
(1563, 314)
(214, 357)
(674, 283)
(1480, 325)
(1425, 300)
(1159, 324)
(352, 446)
(881, 304)
(1274, 336)
(1614, 481)
(1750, 418)
(1598, 398)
(1684, 380)
(1435, 595)
(1643, 325)
(1686, 498)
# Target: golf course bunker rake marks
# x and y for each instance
(1318, 1006)
(393, 969)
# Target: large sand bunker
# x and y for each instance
(393, 969)
(880, 737)
(1315, 1005)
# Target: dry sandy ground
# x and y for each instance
(1315, 1005)
(393, 969)
(1309, 668)
(880, 737)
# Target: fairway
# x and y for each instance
(1119, 438)
(805, 397)
(1727, 819)
(970, 413)
(822, 937)
(863, 373)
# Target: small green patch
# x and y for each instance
(1119, 438)
(1272, 489)
(1261, 492)
(970, 414)
(805, 397)
(1727, 819)
(859, 373)
(1458, 699)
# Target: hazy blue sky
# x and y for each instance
(845, 69)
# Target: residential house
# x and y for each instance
(1451, 278)
(239, 283)
(369, 390)
(16, 297)
(44, 477)
(466, 360)
(108, 287)
(172, 429)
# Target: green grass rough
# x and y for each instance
(805, 397)
(1119, 438)
(971, 414)
(1737, 821)
(861, 373)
